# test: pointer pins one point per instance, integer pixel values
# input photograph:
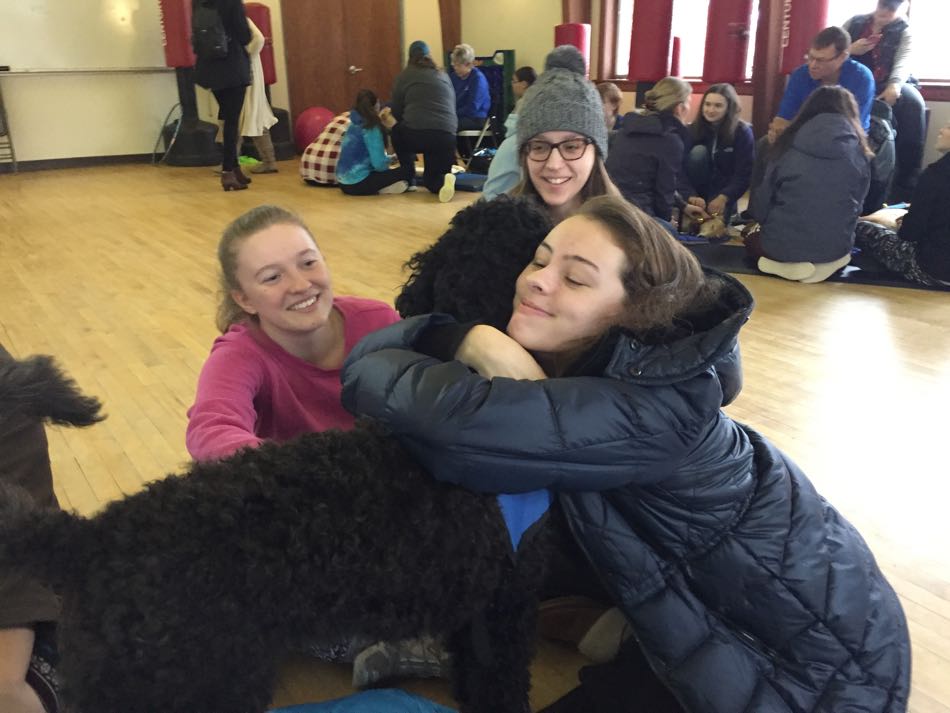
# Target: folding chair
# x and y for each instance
(479, 135)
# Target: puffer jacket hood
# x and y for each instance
(827, 136)
(703, 341)
(637, 123)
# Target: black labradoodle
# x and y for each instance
(183, 597)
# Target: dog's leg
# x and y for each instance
(220, 668)
(492, 655)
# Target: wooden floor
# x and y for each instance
(113, 271)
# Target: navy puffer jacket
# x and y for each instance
(647, 161)
(747, 591)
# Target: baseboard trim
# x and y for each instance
(78, 162)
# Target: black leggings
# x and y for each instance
(373, 183)
(230, 101)
(437, 149)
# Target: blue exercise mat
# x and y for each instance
(470, 182)
(863, 270)
(380, 700)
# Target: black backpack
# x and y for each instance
(208, 37)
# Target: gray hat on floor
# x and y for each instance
(563, 99)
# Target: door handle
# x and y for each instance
(353, 70)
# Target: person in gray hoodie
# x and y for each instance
(811, 194)
(423, 104)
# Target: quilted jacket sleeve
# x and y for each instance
(503, 435)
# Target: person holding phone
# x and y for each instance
(882, 41)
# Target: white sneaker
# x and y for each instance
(603, 640)
(789, 270)
(397, 187)
(824, 270)
(447, 192)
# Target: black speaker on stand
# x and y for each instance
(190, 141)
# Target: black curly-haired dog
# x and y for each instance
(183, 597)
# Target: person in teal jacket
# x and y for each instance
(363, 168)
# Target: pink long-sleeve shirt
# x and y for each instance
(251, 390)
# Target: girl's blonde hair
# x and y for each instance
(666, 94)
(240, 229)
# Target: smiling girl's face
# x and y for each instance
(284, 281)
(571, 293)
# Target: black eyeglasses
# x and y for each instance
(812, 59)
(570, 149)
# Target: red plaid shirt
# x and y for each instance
(318, 163)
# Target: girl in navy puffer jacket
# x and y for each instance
(745, 589)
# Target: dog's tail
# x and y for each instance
(35, 389)
(40, 543)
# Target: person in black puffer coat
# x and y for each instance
(745, 589)
(919, 246)
(647, 159)
(227, 79)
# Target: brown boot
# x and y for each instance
(265, 149)
(239, 174)
(230, 181)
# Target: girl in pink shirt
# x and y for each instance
(274, 373)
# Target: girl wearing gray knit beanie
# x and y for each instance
(562, 137)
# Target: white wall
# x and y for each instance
(73, 115)
(526, 26)
(421, 21)
(56, 116)
(85, 114)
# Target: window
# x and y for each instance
(689, 24)
(624, 25)
(929, 20)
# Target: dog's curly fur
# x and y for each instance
(470, 271)
(182, 598)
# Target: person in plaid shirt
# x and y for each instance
(318, 163)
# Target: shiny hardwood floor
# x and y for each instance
(112, 270)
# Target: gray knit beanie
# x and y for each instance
(563, 99)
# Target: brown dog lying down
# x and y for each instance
(711, 228)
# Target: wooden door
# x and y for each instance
(334, 48)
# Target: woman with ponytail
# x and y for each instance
(363, 168)
(647, 156)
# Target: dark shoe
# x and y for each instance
(230, 182)
(41, 676)
(412, 658)
(240, 175)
